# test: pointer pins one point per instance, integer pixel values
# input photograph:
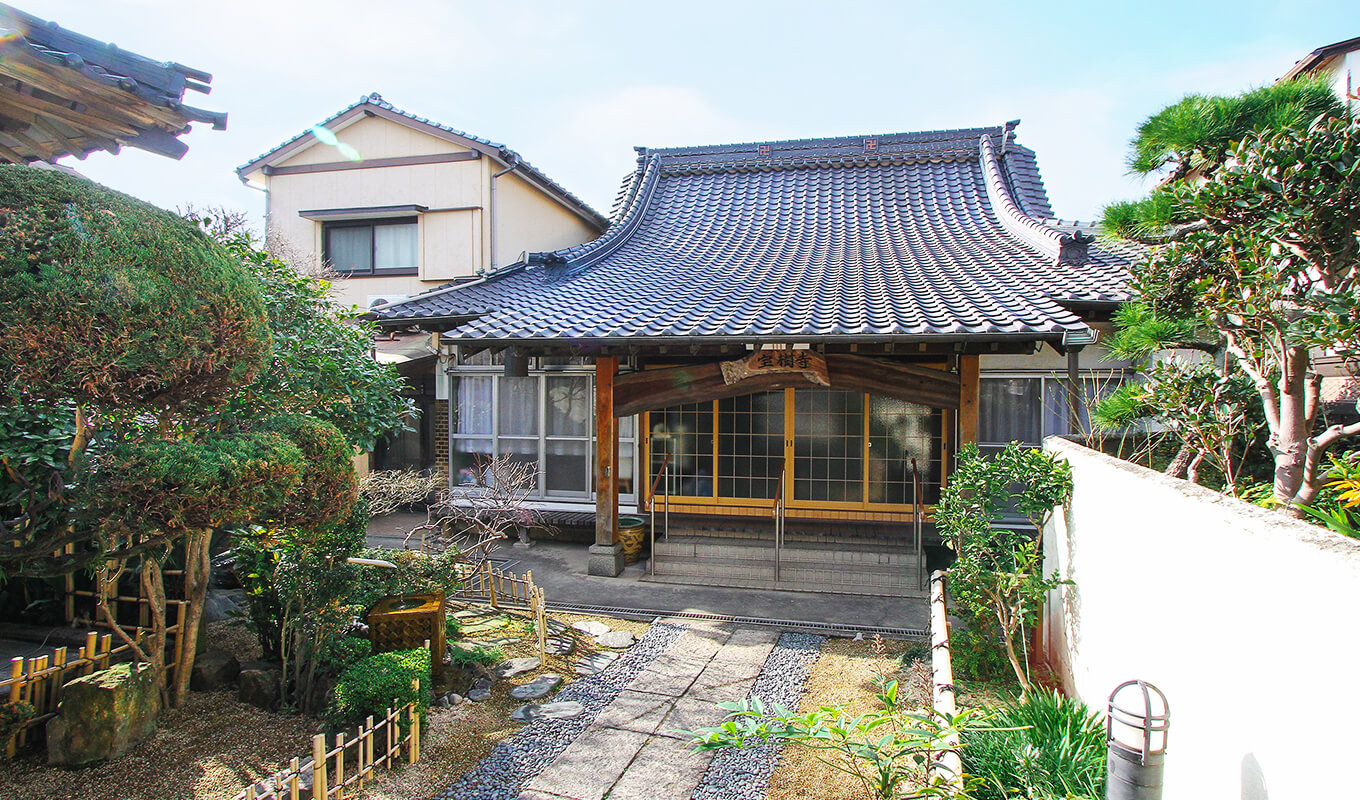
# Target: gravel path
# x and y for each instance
(520, 757)
(745, 774)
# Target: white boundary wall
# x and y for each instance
(1248, 621)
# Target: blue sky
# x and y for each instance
(572, 86)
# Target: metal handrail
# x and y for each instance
(922, 578)
(664, 472)
(666, 462)
(778, 513)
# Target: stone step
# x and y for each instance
(793, 552)
(769, 584)
(839, 577)
(899, 538)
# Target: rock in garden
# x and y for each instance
(480, 691)
(556, 626)
(455, 699)
(617, 640)
(591, 628)
(559, 645)
(537, 687)
(518, 666)
(569, 709)
(214, 669)
(103, 714)
(595, 663)
(259, 688)
(223, 604)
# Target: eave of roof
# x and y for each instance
(373, 103)
(1311, 61)
(947, 253)
(140, 100)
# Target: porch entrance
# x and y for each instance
(825, 453)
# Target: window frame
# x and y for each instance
(372, 224)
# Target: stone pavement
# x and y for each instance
(634, 749)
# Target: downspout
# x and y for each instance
(513, 161)
(1074, 393)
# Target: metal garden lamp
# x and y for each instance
(1135, 739)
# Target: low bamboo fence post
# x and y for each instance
(491, 583)
(295, 780)
(319, 768)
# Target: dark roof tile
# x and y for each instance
(930, 235)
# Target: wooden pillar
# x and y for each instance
(606, 556)
(968, 399)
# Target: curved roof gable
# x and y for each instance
(899, 237)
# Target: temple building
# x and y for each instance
(783, 344)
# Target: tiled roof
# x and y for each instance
(504, 153)
(904, 236)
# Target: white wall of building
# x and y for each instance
(1245, 619)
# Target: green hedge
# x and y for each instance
(371, 686)
(111, 300)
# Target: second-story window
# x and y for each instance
(371, 247)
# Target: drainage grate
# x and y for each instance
(647, 613)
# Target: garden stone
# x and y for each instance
(214, 669)
(259, 688)
(595, 663)
(537, 687)
(455, 699)
(223, 604)
(559, 645)
(518, 666)
(617, 640)
(480, 691)
(569, 709)
(556, 626)
(103, 715)
(591, 628)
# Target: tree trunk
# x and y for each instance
(197, 569)
(153, 587)
(1176, 469)
(1289, 439)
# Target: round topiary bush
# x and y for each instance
(164, 486)
(110, 300)
(329, 487)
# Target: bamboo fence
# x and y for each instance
(348, 763)
(482, 581)
(38, 681)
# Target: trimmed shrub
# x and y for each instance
(1042, 747)
(111, 300)
(460, 656)
(329, 487)
(372, 685)
(170, 485)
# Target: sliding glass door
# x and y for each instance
(841, 450)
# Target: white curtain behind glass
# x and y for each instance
(394, 246)
(349, 249)
(474, 405)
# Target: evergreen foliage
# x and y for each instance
(329, 487)
(111, 301)
(372, 685)
(998, 578)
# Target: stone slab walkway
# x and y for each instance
(634, 749)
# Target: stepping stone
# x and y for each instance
(480, 691)
(617, 640)
(483, 626)
(518, 666)
(494, 641)
(556, 626)
(569, 709)
(591, 628)
(537, 687)
(559, 645)
(595, 663)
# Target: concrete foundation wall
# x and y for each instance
(1245, 619)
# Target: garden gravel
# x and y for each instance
(745, 774)
(520, 757)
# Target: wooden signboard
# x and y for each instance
(765, 362)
